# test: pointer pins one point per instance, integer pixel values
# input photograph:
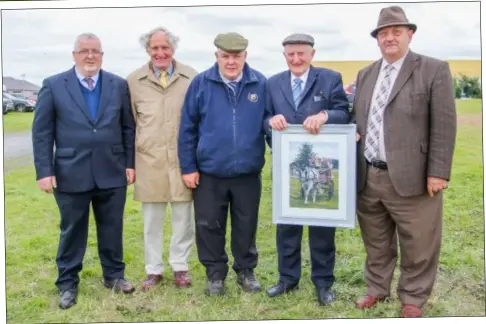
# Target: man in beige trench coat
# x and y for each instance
(157, 92)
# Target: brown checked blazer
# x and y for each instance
(419, 122)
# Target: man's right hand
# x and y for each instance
(191, 180)
(278, 122)
(46, 184)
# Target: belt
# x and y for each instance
(378, 164)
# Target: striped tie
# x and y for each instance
(376, 116)
(233, 85)
(297, 92)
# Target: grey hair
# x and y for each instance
(85, 36)
(173, 39)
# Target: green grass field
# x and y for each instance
(14, 122)
(32, 230)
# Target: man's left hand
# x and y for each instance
(313, 123)
(130, 176)
(435, 184)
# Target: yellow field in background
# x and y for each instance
(349, 69)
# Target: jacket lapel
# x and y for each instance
(369, 84)
(74, 89)
(309, 83)
(106, 91)
(287, 89)
(409, 64)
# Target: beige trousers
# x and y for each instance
(182, 235)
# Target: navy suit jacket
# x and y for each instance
(323, 91)
(88, 153)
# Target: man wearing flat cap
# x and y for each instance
(222, 153)
(405, 113)
(312, 97)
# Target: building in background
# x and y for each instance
(21, 87)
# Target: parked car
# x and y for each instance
(20, 104)
(7, 105)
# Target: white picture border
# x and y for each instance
(345, 215)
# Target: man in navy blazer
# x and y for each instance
(85, 113)
(310, 96)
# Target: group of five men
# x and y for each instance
(189, 139)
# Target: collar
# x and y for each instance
(170, 70)
(238, 78)
(303, 77)
(397, 64)
(81, 77)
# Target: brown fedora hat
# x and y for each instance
(392, 16)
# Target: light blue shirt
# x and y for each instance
(83, 82)
(170, 71)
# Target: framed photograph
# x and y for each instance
(314, 176)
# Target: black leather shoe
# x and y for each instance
(67, 298)
(280, 288)
(247, 280)
(325, 296)
(215, 288)
(120, 285)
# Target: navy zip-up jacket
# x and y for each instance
(218, 135)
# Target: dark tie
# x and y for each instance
(90, 83)
(233, 86)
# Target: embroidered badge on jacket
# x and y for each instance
(253, 97)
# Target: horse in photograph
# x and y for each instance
(309, 179)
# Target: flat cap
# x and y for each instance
(231, 42)
(298, 39)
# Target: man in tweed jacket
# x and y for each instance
(406, 121)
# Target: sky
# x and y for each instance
(38, 43)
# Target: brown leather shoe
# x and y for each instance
(182, 279)
(151, 281)
(410, 311)
(368, 301)
(120, 285)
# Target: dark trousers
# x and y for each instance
(322, 253)
(108, 206)
(212, 197)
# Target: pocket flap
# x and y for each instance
(65, 152)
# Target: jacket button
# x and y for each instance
(94, 130)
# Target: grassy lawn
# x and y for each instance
(32, 229)
(15, 122)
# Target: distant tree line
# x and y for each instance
(469, 87)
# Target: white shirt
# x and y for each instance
(393, 76)
(303, 77)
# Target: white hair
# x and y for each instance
(145, 38)
(85, 36)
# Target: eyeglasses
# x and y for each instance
(87, 52)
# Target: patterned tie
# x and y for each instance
(297, 91)
(376, 117)
(163, 79)
(233, 85)
(90, 83)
